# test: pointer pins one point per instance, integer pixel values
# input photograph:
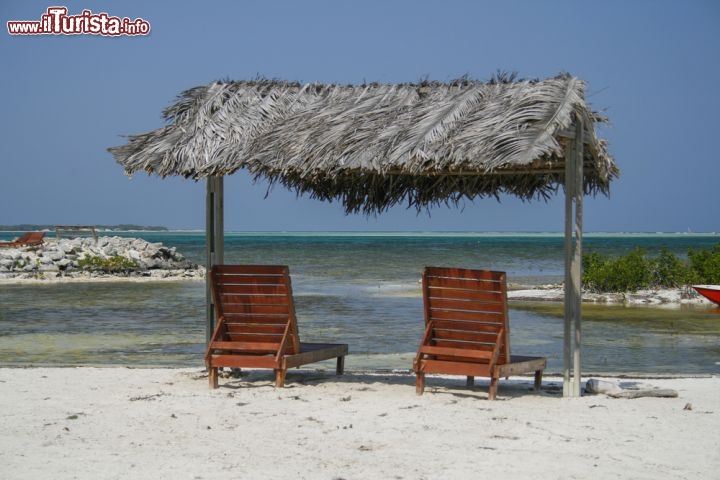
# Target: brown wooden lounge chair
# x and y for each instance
(256, 324)
(28, 239)
(467, 330)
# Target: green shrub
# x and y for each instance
(628, 273)
(669, 271)
(114, 264)
(594, 266)
(705, 265)
(635, 271)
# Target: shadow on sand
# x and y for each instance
(454, 386)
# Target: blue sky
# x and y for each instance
(651, 66)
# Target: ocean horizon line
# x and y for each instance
(399, 233)
(428, 232)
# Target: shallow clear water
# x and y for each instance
(358, 289)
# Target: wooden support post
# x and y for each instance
(538, 379)
(214, 242)
(577, 258)
(340, 365)
(419, 383)
(567, 325)
(573, 262)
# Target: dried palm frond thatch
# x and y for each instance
(375, 145)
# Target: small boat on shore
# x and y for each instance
(711, 292)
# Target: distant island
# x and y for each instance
(114, 228)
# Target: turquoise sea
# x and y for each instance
(361, 289)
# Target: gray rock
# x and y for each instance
(63, 263)
(67, 247)
(54, 255)
(7, 263)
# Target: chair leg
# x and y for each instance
(419, 383)
(213, 377)
(492, 391)
(280, 377)
(538, 379)
(340, 368)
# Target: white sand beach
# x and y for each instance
(107, 423)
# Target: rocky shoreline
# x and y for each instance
(83, 258)
(662, 297)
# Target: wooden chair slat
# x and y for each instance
(249, 319)
(256, 309)
(243, 361)
(250, 338)
(451, 367)
(258, 299)
(470, 337)
(435, 273)
(457, 352)
(452, 324)
(254, 289)
(241, 346)
(252, 270)
(456, 343)
(495, 305)
(254, 329)
(459, 284)
(487, 317)
(468, 302)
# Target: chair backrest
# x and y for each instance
(34, 238)
(24, 237)
(255, 303)
(467, 309)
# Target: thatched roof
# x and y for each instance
(374, 145)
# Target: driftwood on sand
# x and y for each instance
(612, 389)
(654, 392)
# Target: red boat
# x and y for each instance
(711, 292)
